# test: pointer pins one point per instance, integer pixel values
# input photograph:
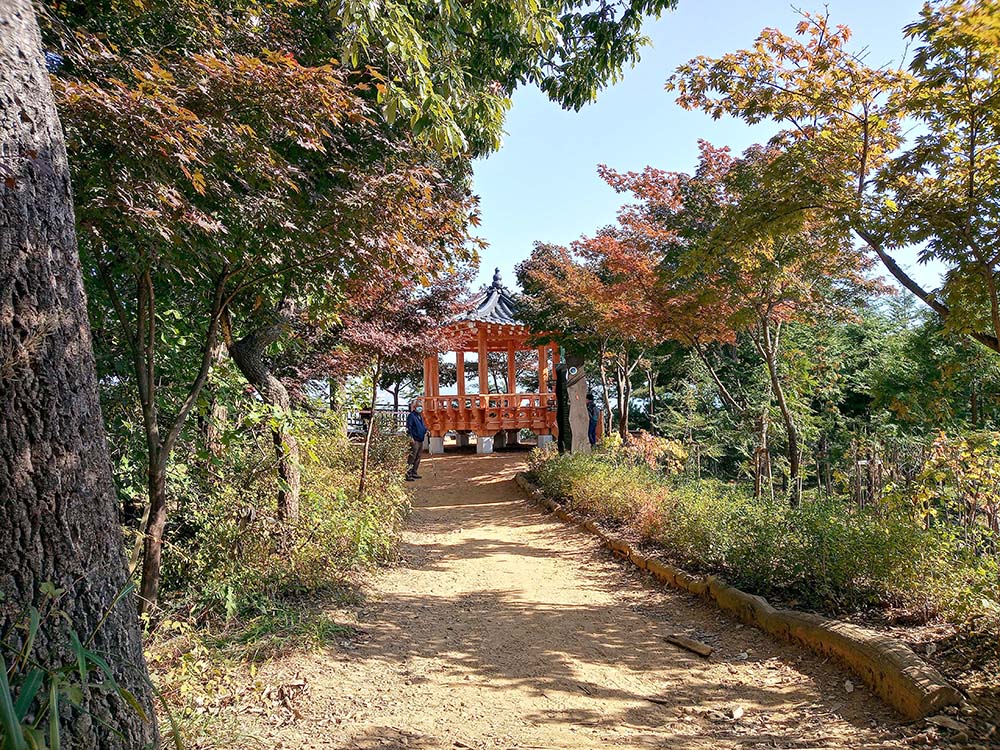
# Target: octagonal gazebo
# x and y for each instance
(494, 418)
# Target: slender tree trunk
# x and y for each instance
(336, 389)
(762, 455)
(248, 354)
(621, 380)
(212, 423)
(58, 509)
(160, 446)
(650, 381)
(602, 368)
(768, 348)
(156, 522)
(931, 300)
(366, 450)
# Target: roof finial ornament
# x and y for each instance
(496, 278)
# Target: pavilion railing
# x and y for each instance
(489, 412)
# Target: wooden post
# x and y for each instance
(543, 366)
(511, 368)
(460, 376)
(427, 376)
(484, 383)
(555, 355)
(435, 376)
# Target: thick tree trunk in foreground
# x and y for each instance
(58, 511)
(248, 354)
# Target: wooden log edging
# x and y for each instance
(896, 674)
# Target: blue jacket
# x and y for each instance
(415, 426)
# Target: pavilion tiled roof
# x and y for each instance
(494, 305)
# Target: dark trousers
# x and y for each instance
(413, 460)
(592, 432)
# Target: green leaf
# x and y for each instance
(29, 689)
(81, 655)
(133, 702)
(33, 622)
(8, 716)
(54, 742)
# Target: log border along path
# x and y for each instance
(502, 627)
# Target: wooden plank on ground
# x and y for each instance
(702, 649)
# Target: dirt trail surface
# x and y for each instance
(504, 628)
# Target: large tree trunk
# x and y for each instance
(58, 510)
(248, 354)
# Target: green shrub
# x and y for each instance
(229, 552)
(827, 553)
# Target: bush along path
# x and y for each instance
(502, 627)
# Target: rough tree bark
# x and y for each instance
(248, 354)
(212, 421)
(58, 510)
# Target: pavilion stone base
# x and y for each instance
(500, 440)
(513, 437)
(484, 444)
(462, 439)
(436, 446)
(544, 440)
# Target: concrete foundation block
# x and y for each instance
(544, 440)
(484, 444)
(462, 439)
(436, 446)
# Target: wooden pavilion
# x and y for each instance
(494, 418)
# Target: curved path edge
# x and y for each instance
(900, 677)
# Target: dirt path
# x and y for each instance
(504, 628)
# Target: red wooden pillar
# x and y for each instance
(484, 383)
(543, 366)
(511, 368)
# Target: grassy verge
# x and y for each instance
(826, 554)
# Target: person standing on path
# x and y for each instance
(417, 431)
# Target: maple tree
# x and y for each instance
(243, 184)
(721, 272)
(596, 295)
(843, 151)
(391, 325)
(449, 69)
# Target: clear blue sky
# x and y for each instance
(543, 183)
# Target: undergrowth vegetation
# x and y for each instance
(232, 553)
(908, 554)
(241, 583)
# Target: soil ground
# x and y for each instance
(502, 627)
